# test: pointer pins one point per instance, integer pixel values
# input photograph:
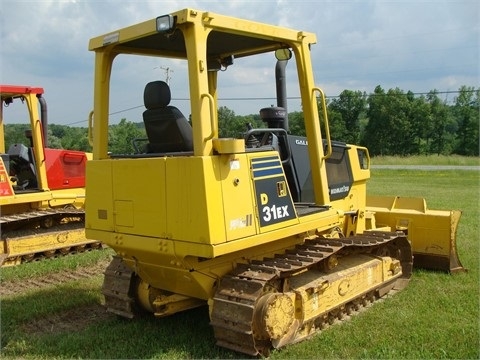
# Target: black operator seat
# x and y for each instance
(167, 129)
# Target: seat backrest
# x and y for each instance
(167, 129)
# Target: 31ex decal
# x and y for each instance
(274, 202)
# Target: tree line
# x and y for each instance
(392, 122)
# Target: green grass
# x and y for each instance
(435, 317)
(427, 160)
(47, 266)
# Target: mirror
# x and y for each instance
(220, 63)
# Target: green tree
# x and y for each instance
(54, 142)
(389, 130)
(346, 111)
(467, 113)
(388, 123)
(438, 138)
(227, 124)
(421, 125)
(75, 138)
(296, 123)
(15, 134)
(234, 126)
(336, 124)
(376, 136)
(121, 136)
(58, 131)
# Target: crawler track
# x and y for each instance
(241, 316)
(40, 234)
(42, 216)
(238, 299)
(116, 289)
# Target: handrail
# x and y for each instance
(212, 114)
(280, 131)
(90, 128)
(327, 126)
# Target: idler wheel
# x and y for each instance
(274, 315)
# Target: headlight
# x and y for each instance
(165, 23)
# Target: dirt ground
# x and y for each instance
(69, 320)
(17, 287)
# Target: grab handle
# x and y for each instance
(90, 128)
(325, 119)
(211, 102)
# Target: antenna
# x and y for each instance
(167, 73)
(167, 70)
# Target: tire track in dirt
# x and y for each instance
(17, 287)
(73, 319)
(70, 320)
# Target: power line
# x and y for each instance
(446, 92)
(112, 113)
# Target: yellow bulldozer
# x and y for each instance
(42, 190)
(274, 232)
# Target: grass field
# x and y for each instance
(427, 160)
(435, 317)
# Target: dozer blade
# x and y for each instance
(433, 233)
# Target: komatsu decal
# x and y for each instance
(340, 190)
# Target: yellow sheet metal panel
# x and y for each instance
(139, 195)
(124, 213)
(431, 232)
(177, 279)
(125, 34)
(194, 200)
(99, 207)
(45, 242)
(354, 202)
(403, 204)
(152, 252)
(359, 162)
(318, 292)
(307, 224)
(238, 201)
(228, 145)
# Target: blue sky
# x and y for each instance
(413, 45)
